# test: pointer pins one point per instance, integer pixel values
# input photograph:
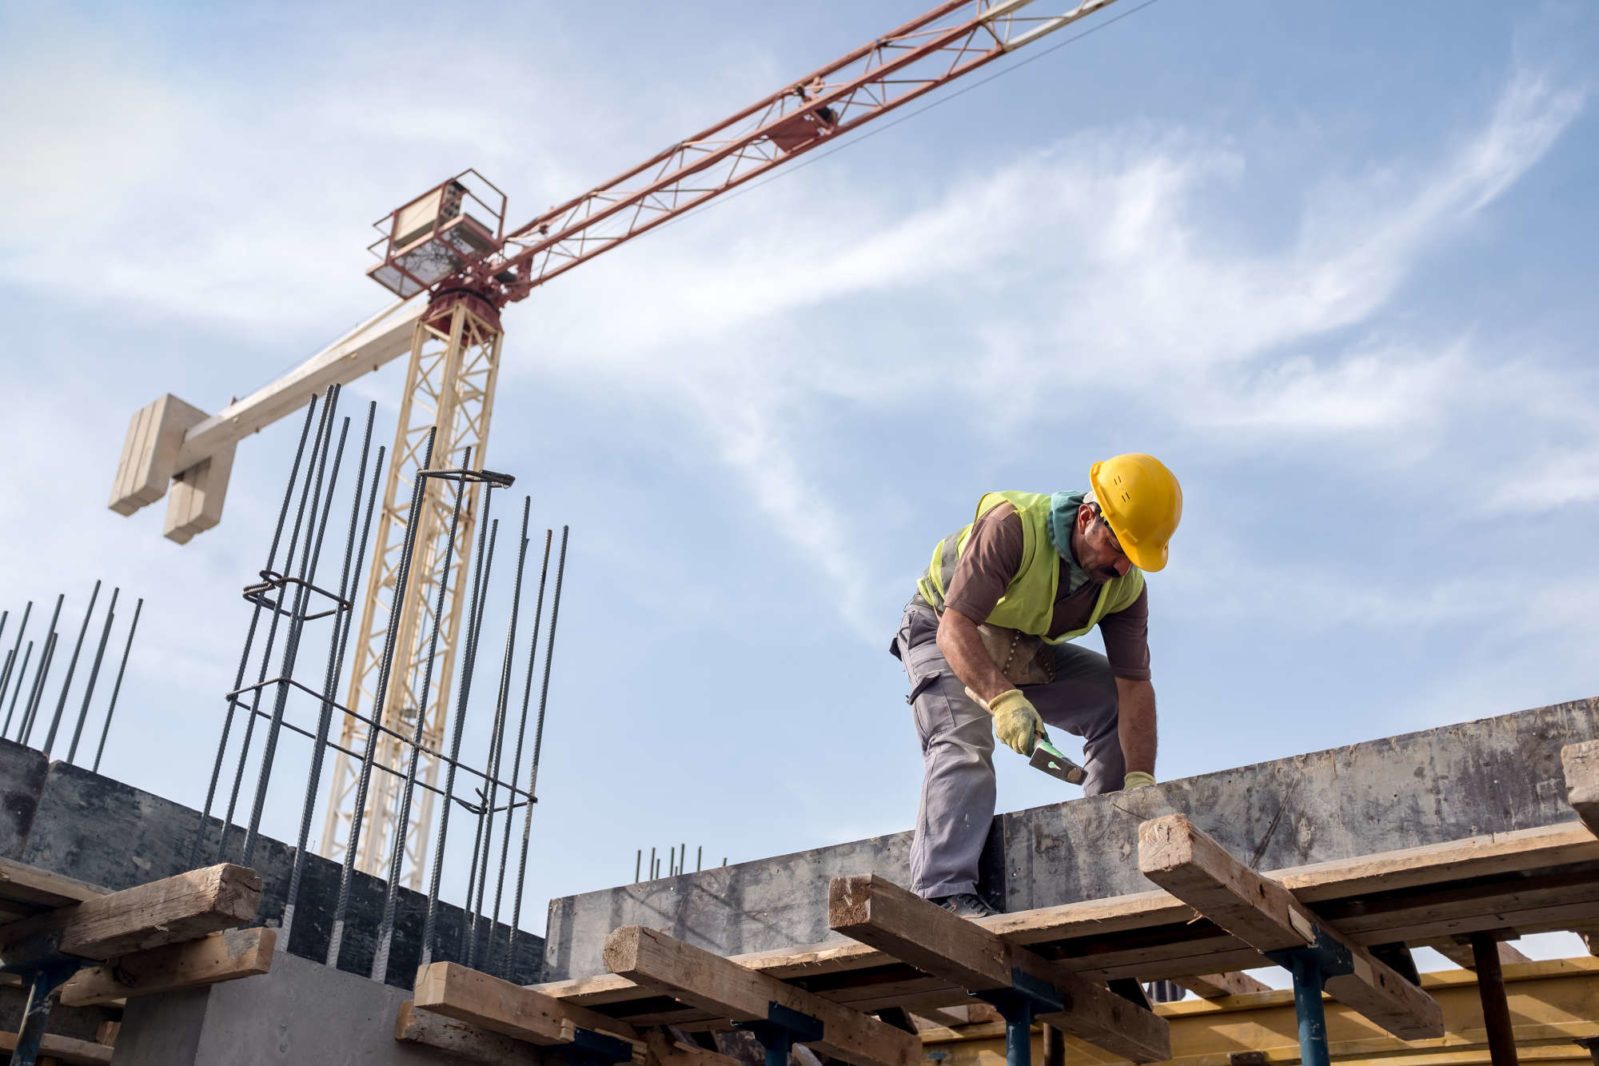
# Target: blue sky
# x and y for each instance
(1334, 264)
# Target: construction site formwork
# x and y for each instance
(1486, 838)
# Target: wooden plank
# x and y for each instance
(852, 974)
(661, 1050)
(947, 1018)
(464, 1041)
(218, 957)
(1154, 935)
(654, 959)
(880, 913)
(65, 1049)
(1192, 866)
(1460, 954)
(470, 996)
(1581, 763)
(1550, 1002)
(34, 887)
(1220, 985)
(183, 907)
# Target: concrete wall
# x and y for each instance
(1492, 775)
(301, 1012)
(65, 819)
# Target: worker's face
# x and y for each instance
(1097, 551)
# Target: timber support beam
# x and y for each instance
(1222, 985)
(225, 956)
(780, 1011)
(486, 1002)
(1264, 914)
(1017, 980)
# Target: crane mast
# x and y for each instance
(455, 361)
(453, 265)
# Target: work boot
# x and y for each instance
(966, 904)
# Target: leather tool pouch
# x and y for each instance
(1021, 657)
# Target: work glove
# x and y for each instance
(1137, 779)
(1016, 721)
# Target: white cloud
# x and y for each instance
(1087, 266)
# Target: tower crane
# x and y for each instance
(449, 259)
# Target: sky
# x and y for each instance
(1332, 263)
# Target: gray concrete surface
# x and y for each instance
(301, 1012)
(70, 821)
(1492, 775)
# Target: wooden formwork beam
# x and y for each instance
(1531, 880)
(24, 885)
(661, 1050)
(1219, 985)
(1552, 1003)
(183, 907)
(936, 941)
(465, 1042)
(471, 996)
(1264, 914)
(656, 960)
(218, 957)
(1458, 951)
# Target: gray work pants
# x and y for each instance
(957, 804)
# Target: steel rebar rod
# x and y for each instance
(116, 689)
(46, 653)
(308, 733)
(385, 936)
(249, 638)
(319, 450)
(437, 790)
(338, 645)
(310, 559)
(26, 656)
(538, 740)
(72, 668)
(5, 682)
(521, 735)
(502, 702)
(501, 707)
(94, 674)
(402, 578)
(476, 809)
(5, 673)
(45, 660)
(469, 662)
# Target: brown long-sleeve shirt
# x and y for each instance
(992, 558)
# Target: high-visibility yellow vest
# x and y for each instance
(1029, 600)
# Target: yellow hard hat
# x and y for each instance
(1142, 502)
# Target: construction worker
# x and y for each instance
(990, 622)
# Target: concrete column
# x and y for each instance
(302, 1012)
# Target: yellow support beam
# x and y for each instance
(1552, 1005)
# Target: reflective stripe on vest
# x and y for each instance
(1028, 603)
